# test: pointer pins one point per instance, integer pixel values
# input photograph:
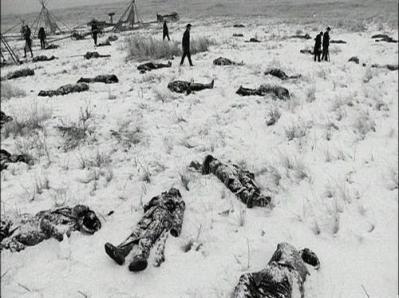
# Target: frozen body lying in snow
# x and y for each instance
(188, 87)
(6, 158)
(163, 214)
(284, 275)
(29, 230)
(240, 181)
(148, 66)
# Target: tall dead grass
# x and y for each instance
(141, 49)
(9, 91)
(26, 120)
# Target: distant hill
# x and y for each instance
(322, 11)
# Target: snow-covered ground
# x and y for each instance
(330, 163)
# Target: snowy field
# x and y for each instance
(330, 164)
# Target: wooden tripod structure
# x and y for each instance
(10, 51)
(46, 19)
(129, 17)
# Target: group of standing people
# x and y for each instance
(322, 39)
(185, 42)
(27, 36)
(321, 52)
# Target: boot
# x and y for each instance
(115, 253)
(139, 263)
(140, 254)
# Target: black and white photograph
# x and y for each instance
(199, 149)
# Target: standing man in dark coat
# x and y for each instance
(94, 31)
(317, 47)
(28, 40)
(326, 44)
(42, 36)
(186, 45)
(165, 31)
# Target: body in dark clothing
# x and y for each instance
(6, 157)
(42, 36)
(186, 46)
(28, 40)
(151, 66)
(107, 79)
(326, 44)
(188, 87)
(317, 47)
(94, 32)
(165, 31)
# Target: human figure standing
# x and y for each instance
(165, 31)
(326, 44)
(28, 40)
(42, 36)
(186, 45)
(317, 47)
(94, 32)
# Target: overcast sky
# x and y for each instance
(25, 6)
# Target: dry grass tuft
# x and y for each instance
(27, 120)
(364, 124)
(273, 116)
(9, 91)
(76, 133)
(296, 131)
(295, 168)
(140, 48)
(311, 94)
(129, 134)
